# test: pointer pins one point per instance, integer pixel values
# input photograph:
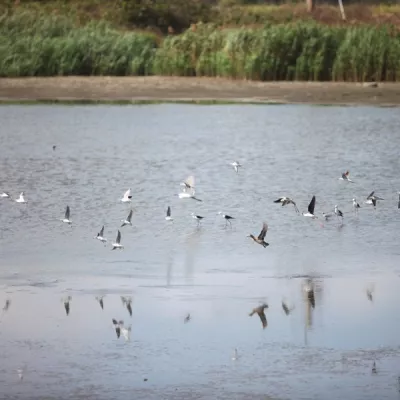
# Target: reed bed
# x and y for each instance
(38, 45)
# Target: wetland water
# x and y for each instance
(217, 275)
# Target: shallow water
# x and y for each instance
(214, 273)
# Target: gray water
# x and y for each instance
(216, 274)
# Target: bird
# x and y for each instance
(356, 206)
(285, 201)
(188, 195)
(20, 373)
(261, 236)
(100, 300)
(21, 198)
(7, 305)
(100, 236)
(371, 199)
(127, 301)
(338, 213)
(117, 326)
(369, 295)
(66, 216)
(127, 198)
(187, 318)
(309, 290)
(66, 301)
(327, 216)
(226, 217)
(117, 244)
(235, 355)
(398, 204)
(236, 165)
(5, 195)
(345, 177)
(168, 216)
(286, 308)
(311, 206)
(197, 217)
(260, 311)
(127, 221)
(374, 368)
(54, 147)
(188, 183)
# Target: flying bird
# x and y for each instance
(127, 302)
(261, 236)
(117, 244)
(188, 195)
(66, 301)
(311, 206)
(226, 217)
(236, 165)
(168, 216)
(260, 311)
(127, 198)
(188, 183)
(128, 219)
(117, 326)
(285, 201)
(345, 177)
(371, 199)
(100, 236)
(66, 218)
(100, 300)
(21, 198)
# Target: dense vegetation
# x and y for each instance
(36, 41)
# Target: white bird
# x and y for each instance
(20, 373)
(128, 219)
(188, 183)
(168, 216)
(66, 216)
(345, 177)
(127, 198)
(311, 207)
(188, 195)
(338, 213)
(100, 236)
(371, 199)
(5, 195)
(226, 217)
(235, 354)
(285, 201)
(356, 206)
(197, 217)
(126, 333)
(236, 165)
(21, 198)
(117, 244)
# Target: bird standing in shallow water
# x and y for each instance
(261, 236)
(168, 216)
(187, 318)
(356, 206)
(260, 311)
(338, 213)
(117, 326)
(197, 217)
(226, 217)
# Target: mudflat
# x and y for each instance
(195, 89)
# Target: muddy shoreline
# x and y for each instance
(197, 90)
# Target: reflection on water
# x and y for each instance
(61, 289)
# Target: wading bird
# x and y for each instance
(168, 216)
(227, 218)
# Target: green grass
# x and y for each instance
(37, 44)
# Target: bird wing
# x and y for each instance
(263, 319)
(127, 194)
(101, 231)
(118, 237)
(67, 213)
(130, 216)
(374, 202)
(114, 321)
(263, 232)
(311, 206)
(279, 200)
(190, 181)
(372, 193)
(168, 211)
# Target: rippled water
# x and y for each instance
(217, 275)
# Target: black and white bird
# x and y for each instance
(127, 197)
(338, 213)
(128, 220)
(66, 218)
(311, 207)
(188, 183)
(236, 165)
(168, 216)
(356, 206)
(309, 291)
(285, 201)
(197, 217)
(187, 318)
(117, 244)
(188, 194)
(226, 217)
(100, 236)
(371, 199)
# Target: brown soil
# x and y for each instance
(155, 88)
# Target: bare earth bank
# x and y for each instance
(191, 89)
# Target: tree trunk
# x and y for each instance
(310, 5)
